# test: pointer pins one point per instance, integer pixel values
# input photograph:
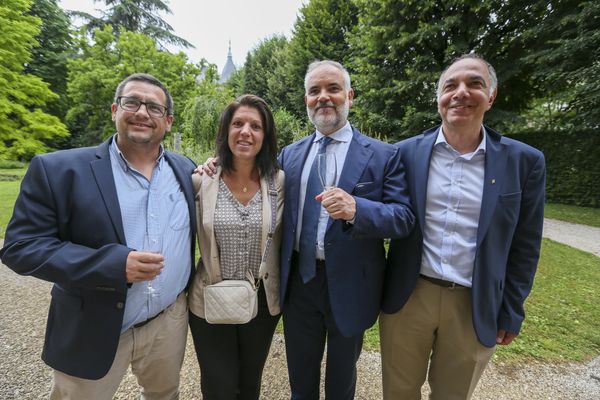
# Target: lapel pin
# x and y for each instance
(493, 181)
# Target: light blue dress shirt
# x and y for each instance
(158, 207)
(454, 192)
(339, 146)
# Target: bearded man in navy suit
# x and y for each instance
(455, 287)
(332, 256)
(82, 220)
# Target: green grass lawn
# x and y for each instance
(8, 194)
(578, 215)
(563, 316)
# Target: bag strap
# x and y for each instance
(273, 197)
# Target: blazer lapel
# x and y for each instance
(357, 158)
(293, 174)
(421, 158)
(102, 170)
(495, 163)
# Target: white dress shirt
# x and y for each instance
(339, 146)
(454, 192)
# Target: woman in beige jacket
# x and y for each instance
(234, 211)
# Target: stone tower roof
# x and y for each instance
(229, 67)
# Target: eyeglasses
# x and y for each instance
(132, 104)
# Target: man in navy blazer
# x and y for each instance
(336, 295)
(77, 222)
(455, 287)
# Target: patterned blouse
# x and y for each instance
(238, 230)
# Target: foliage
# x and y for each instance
(25, 129)
(577, 215)
(259, 66)
(94, 77)
(49, 59)
(572, 168)
(11, 164)
(289, 128)
(135, 16)
(401, 46)
(201, 115)
(235, 83)
(319, 33)
(567, 68)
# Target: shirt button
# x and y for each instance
(120, 305)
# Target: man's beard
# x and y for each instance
(329, 123)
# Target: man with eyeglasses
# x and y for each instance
(111, 227)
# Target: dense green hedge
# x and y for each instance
(573, 165)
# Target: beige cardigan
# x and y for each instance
(208, 270)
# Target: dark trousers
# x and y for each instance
(232, 357)
(308, 323)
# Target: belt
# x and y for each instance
(441, 282)
(140, 324)
(319, 263)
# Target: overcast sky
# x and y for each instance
(210, 24)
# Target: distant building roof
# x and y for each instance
(229, 67)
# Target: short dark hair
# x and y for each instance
(266, 159)
(148, 79)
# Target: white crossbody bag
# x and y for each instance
(236, 301)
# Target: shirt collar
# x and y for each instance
(481, 148)
(123, 163)
(344, 134)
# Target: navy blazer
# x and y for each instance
(354, 254)
(508, 237)
(66, 228)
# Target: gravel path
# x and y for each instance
(23, 375)
(582, 237)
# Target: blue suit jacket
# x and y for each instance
(354, 255)
(508, 236)
(66, 228)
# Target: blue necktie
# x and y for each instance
(310, 219)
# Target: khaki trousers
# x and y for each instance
(435, 329)
(154, 351)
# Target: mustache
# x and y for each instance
(325, 104)
(147, 121)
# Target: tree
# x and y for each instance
(258, 68)
(135, 16)
(401, 46)
(25, 129)
(319, 33)
(202, 112)
(93, 79)
(49, 59)
(567, 67)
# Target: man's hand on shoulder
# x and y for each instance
(209, 167)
